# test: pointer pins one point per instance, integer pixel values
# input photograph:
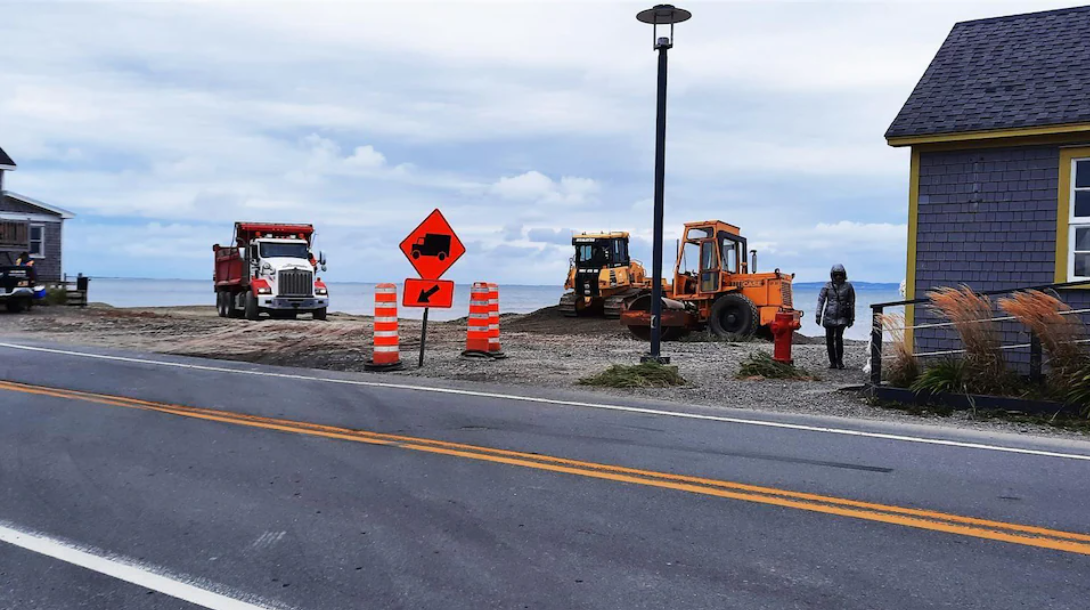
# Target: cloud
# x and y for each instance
(551, 236)
(363, 117)
(535, 186)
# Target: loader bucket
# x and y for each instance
(677, 321)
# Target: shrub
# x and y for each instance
(1077, 390)
(55, 295)
(903, 369)
(643, 375)
(971, 314)
(761, 365)
(1059, 334)
(947, 376)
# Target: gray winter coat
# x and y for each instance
(836, 302)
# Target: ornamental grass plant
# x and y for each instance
(1061, 335)
(902, 368)
(971, 314)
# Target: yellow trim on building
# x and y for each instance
(1063, 209)
(966, 136)
(910, 272)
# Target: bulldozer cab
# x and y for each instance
(711, 254)
(598, 251)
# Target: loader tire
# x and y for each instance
(252, 310)
(734, 317)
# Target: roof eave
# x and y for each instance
(991, 134)
(61, 212)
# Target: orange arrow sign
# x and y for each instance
(433, 247)
(428, 293)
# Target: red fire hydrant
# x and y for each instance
(783, 327)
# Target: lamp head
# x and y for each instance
(663, 14)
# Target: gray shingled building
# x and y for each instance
(31, 225)
(999, 128)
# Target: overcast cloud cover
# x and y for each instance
(161, 124)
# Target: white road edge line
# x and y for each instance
(129, 571)
(569, 403)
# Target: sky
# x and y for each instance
(160, 124)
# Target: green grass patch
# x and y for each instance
(760, 365)
(643, 375)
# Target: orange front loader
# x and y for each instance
(715, 286)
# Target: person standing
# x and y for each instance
(836, 312)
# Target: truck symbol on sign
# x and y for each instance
(432, 244)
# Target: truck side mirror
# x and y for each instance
(321, 258)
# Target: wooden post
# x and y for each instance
(1035, 373)
(876, 347)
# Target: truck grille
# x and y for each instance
(295, 283)
(785, 292)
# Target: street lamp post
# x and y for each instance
(662, 14)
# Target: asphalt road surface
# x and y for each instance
(135, 481)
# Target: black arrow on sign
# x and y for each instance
(425, 294)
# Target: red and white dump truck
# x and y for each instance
(270, 269)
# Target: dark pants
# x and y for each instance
(834, 342)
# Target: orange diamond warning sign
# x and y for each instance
(433, 247)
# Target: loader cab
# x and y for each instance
(711, 253)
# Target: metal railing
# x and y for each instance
(1035, 352)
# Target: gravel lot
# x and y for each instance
(544, 348)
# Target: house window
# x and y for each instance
(37, 241)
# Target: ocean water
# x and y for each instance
(358, 298)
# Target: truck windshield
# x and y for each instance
(275, 250)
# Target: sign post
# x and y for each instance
(431, 248)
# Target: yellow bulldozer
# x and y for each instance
(602, 278)
(715, 286)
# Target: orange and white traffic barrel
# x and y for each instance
(477, 331)
(387, 356)
(494, 349)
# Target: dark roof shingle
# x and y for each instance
(1028, 70)
(5, 159)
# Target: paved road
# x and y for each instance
(301, 489)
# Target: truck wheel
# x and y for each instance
(252, 310)
(319, 314)
(734, 317)
(416, 254)
(229, 304)
(442, 256)
(15, 305)
(221, 304)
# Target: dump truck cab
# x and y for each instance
(601, 275)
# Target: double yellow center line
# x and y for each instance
(909, 517)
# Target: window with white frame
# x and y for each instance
(37, 241)
(1079, 240)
